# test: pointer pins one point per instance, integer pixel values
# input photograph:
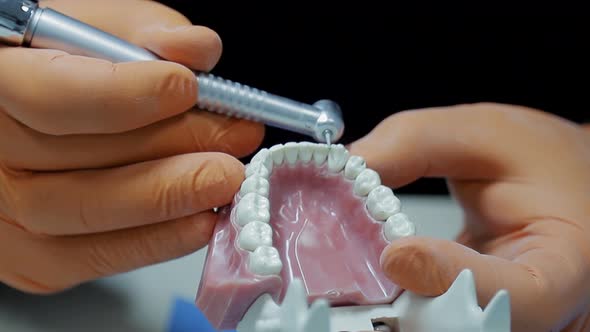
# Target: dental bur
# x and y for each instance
(24, 23)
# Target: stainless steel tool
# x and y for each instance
(24, 23)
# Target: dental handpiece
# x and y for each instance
(24, 23)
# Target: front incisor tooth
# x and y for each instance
(320, 153)
(382, 203)
(398, 226)
(354, 166)
(255, 234)
(265, 261)
(291, 152)
(255, 184)
(305, 151)
(252, 207)
(366, 181)
(277, 152)
(265, 158)
(257, 168)
(337, 158)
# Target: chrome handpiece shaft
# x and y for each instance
(24, 23)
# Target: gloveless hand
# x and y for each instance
(103, 167)
(522, 178)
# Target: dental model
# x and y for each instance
(308, 218)
(456, 310)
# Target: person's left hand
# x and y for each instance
(522, 177)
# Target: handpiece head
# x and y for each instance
(330, 126)
(15, 17)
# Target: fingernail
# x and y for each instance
(384, 256)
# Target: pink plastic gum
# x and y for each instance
(325, 237)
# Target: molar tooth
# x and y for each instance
(320, 153)
(398, 226)
(265, 261)
(291, 152)
(257, 168)
(277, 153)
(366, 181)
(264, 157)
(305, 151)
(337, 158)
(252, 207)
(255, 184)
(382, 203)
(255, 234)
(354, 166)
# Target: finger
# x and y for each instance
(541, 271)
(50, 264)
(60, 94)
(185, 133)
(151, 25)
(140, 194)
(483, 141)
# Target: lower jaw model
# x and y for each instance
(309, 225)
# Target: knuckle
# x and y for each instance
(212, 132)
(141, 247)
(219, 170)
(177, 85)
(13, 201)
(169, 199)
(100, 259)
(6, 194)
(193, 136)
(211, 183)
(216, 180)
(239, 137)
(87, 220)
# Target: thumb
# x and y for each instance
(428, 267)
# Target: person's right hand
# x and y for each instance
(102, 169)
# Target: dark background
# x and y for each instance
(374, 63)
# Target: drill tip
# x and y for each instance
(328, 136)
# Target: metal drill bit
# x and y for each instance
(328, 137)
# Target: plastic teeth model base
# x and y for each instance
(455, 311)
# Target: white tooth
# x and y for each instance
(320, 153)
(305, 151)
(264, 157)
(354, 166)
(252, 207)
(257, 168)
(265, 261)
(255, 184)
(277, 153)
(382, 203)
(398, 226)
(255, 234)
(337, 158)
(291, 150)
(366, 181)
